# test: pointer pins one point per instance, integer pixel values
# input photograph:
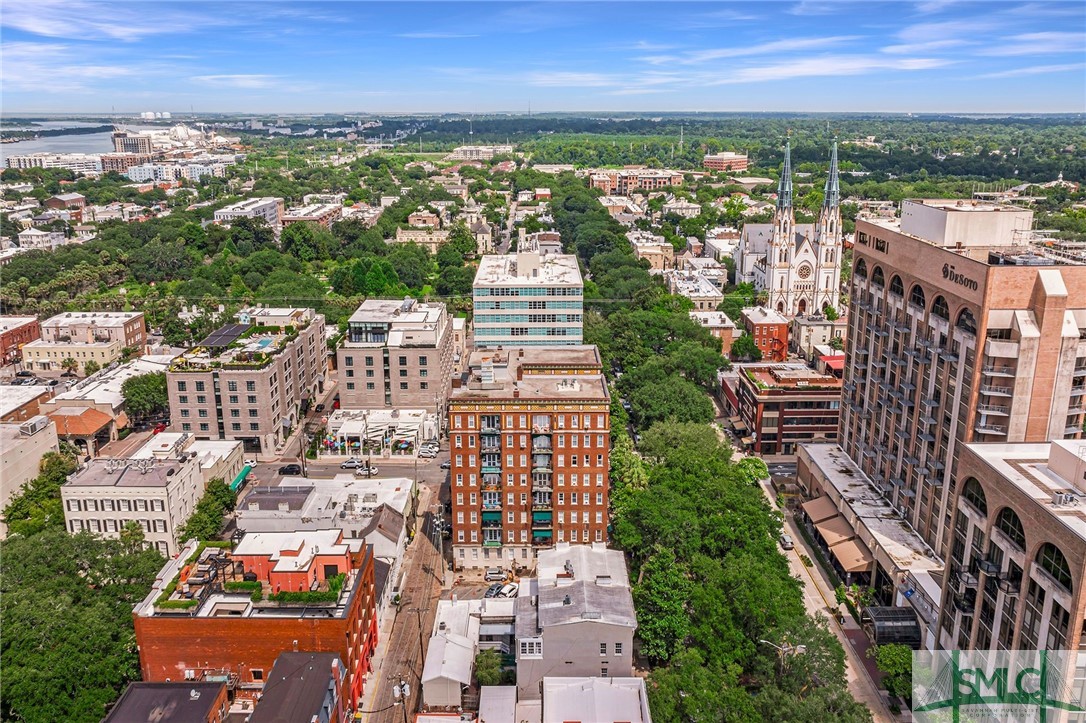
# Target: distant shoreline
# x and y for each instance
(20, 136)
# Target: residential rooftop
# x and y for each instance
(312, 210)
(595, 700)
(13, 398)
(571, 372)
(97, 318)
(712, 319)
(105, 472)
(7, 323)
(204, 594)
(889, 531)
(517, 269)
(180, 702)
(388, 322)
(542, 605)
(566, 563)
(104, 387)
(1043, 472)
(296, 687)
(762, 315)
(993, 233)
(691, 285)
(790, 377)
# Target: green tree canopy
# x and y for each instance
(145, 395)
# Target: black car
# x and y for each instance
(288, 469)
(24, 373)
(319, 408)
(493, 590)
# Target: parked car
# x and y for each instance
(250, 463)
(787, 543)
(159, 428)
(446, 465)
(24, 373)
(288, 469)
(366, 471)
(494, 574)
(352, 463)
(493, 590)
(427, 454)
(319, 408)
(626, 405)
(509, 590)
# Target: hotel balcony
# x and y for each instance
(1000, 370)
(492, 505)
(996, 391)
(986, 428)
(988, 567)
(1071, 430)
(540, 448)
(994, 409)
(541, 428)
(1079, 371)
(490, 429)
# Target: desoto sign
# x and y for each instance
(955, 278)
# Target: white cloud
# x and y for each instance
(54, 68)
(697, 57)
(1035, 70)
(928, 47)
(239, 80)
(435, 35)
(83, 20)
(567, 79)
(637, 91)
(826, 66)
(1050, 43)
(716, 19)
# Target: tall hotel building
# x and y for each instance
(963, 328)
(528, 299)
(529, 437)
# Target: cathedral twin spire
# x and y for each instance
(784, 185)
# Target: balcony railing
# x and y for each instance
(994, 409)
(994, 390)
(985, 428)
(492, 543)
(491, 468)
(492, 505)
(490, 429)
(1001, 370)
(541, 429)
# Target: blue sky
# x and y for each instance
(803, 55)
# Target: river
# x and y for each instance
(87, 143)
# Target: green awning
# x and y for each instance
(240, 479)
(541, 516)
(541, 533)
(492, 517)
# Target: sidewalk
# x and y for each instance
(819, 598)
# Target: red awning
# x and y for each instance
(837, 363)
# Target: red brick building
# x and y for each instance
(200, 622)
(726, 161)
(770, 332)
(14, 332)
(529, 437)
(774, 408)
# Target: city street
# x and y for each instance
(819, 599)
(400, 657)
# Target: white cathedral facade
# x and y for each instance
(798, 266)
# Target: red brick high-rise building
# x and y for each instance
(529, 437)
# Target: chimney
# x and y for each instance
(520, 372)
(516, 394)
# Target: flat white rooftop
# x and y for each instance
(98, 318)
(1042, 471)
(518, 269)
(105, 386)
(7, 323)
(14, 397)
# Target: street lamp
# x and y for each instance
(785, 651)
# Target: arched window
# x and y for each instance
(896, 287)
(940, 309)
(974, 495)
(967, 322)
(1054, 563)
(877, 276)
(861, 269)
(917, 297)
(1010, 525)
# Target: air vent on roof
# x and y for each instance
(566, 600)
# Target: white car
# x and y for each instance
(363, 471)
(428, 454)
(250, 463)
(509, 590)
(351, 463)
